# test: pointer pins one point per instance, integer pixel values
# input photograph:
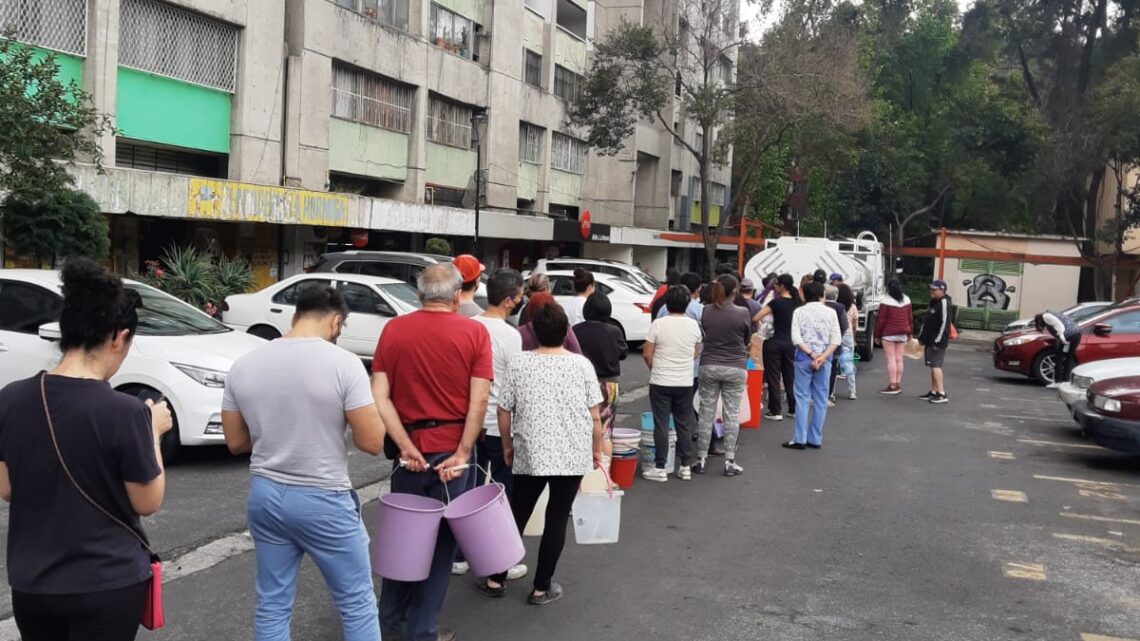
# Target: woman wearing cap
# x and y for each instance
(893, 328)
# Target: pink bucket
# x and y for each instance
(485, 529)
(407, 527)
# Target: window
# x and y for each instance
(717, 194)
(54, 24)
(700, 141)
(163, 315)
(532, 67)
(568, 154)
(530, 143)
(1128, 323)
(675, 183)
(724, 68)
(677, 84)
(23, 307)
(362, 300)
(370, 99)
(449, 123)
(571, 18)
(451, 31)
(169, 41)
(567, 84)
(399, 271)
(561, 286)
(288, 296)
(393, 13)
(174, 161)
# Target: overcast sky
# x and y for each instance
(750, 13)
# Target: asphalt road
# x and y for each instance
(989, 518)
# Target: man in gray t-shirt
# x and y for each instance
(287, 403)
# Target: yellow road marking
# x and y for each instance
(1096, 540)
(1085, 636)
(1065, 479)
(1013, 496)
(1102, 519)
(1004, 456)
(1084, 446)
(1029, 571)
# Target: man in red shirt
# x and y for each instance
(431, 375)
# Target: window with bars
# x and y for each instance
(532, 68)
(175, 161)
(367, 98)
(567, 154)
(449, 123)
(451, 31)
(393, 13)
(168, 41)
(567, 84)
(530, 143)
(53, 24)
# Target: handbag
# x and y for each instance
(953, 332)
(153, 617)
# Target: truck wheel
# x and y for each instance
(867, 349)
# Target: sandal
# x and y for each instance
(550, 596)
(488, 591)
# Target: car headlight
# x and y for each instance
(1019, 340)
(1105, 404)
(1082, 382)
(207, 377)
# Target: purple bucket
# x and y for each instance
(485, 529)
(406, 530)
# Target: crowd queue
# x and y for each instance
(526, 388)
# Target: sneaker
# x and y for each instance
(891, 390)
(517, 572)
(927, 396)
(655, 474)
(773, 417)
(851, 395)
(831, 403)
(939, 399)
(446, 635)
(791, 413)
(732, 469)
(550, 596)
(831, 398)
(459, 568)
(792, 445)
(841, 377)
(699, 468)
(484, 588)
(1052, 386)
(684, 473)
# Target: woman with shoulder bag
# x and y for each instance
(80, 464)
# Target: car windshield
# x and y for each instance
(404, 293)
(1087, 312)
(163, 315)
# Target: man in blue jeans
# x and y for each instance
(432, 374)
(301, 500)
(816, 335)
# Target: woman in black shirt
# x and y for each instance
(75, 573)
(779, 352)
(603, 343)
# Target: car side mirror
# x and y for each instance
(50, 332)
(1102, 329)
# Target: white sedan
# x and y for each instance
(178, 352)
(372, 300)
(630, 305)
(1085, 375)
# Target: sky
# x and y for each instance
(750, 14)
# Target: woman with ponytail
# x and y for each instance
(779, 352)
(723, 372)
(69, 442)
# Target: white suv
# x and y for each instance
(630, 274)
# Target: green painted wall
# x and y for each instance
(70, 67)
(367, 151)
(171, 112)
(565, 188)
(449, 166)
(528, 181)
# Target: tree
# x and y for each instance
(55, 224)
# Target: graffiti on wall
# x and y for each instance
(243, 202)
(988, 291)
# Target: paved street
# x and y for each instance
(986, 519)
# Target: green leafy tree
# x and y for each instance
(437, 246)
(55, 225)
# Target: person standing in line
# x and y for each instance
(835, 280)
(816, 334)
(431, 379)
(893, 328)
(1067, 335)
(779, 351)
(847, 357)
(583, 286)
(552, 437)
(935, 336)
(672, 277)
(529, 339)
(724, 358)
(694, 310)
(301, 500)
(603, 344)
(470, 269)
(538, 284)
(831, 299)
(671, 347)
(76, 574)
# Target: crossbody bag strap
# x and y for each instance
(74, 483)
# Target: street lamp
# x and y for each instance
(478, 134)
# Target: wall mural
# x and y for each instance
(988, 291)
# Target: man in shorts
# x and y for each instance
(935, 337)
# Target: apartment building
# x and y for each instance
(279, 129)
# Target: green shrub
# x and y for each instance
(195, 277)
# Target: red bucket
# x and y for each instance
(622, 471)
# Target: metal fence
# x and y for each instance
(173, 42)
(53, 24)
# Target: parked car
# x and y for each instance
(178, 352)
(372, 300)
(1077, 312)
(1110, 415)
(630, 305)
(404, 266)
(631, 274)
(1083, 376)
(1114, 332)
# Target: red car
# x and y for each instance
(1113, 333)
(1110, 415)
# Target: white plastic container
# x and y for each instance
(597, 517)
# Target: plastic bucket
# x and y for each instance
(622, 471)
(597, 516)
(649, 452)
(647, 422)
(407, 527)
(485, 529)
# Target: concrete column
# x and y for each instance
(413, 190)
(100, 77)
(257, 109)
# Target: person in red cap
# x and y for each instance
(470, 269)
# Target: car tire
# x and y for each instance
(171, 443)
(1044, 367)
(867, 350)
(265, 331)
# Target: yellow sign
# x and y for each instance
(245, 202)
